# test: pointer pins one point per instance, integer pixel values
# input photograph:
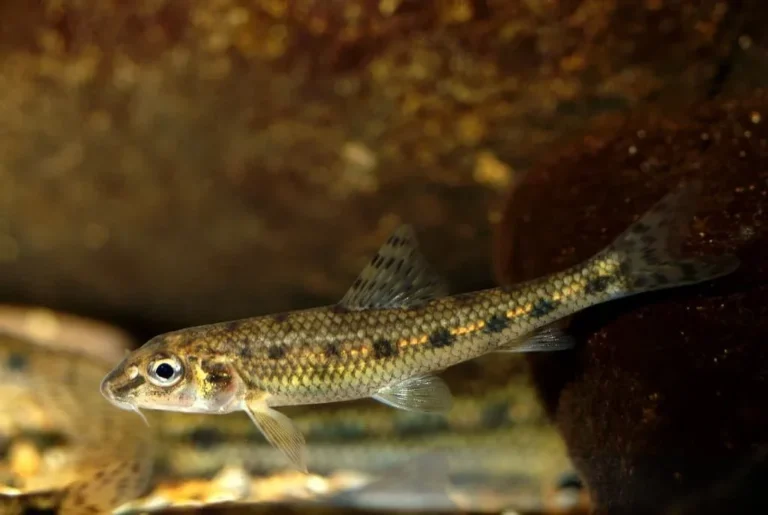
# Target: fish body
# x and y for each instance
(394, 330)
(499, 448)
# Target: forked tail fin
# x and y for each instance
(649, 251)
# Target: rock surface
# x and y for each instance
(665, 397)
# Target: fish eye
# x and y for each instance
(165, 372)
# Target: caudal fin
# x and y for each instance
(649, 251)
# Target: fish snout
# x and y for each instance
(106, 387)
(118, 385)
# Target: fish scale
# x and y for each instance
(305, 369)
(395, 329)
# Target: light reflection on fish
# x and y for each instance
(394, 330)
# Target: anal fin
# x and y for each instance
(279, 431)
(548, 339)
(427, 394)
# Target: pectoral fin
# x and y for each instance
(280, 432)
(550, 338)
(427, 394)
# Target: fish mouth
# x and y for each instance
(108, 391)
(115, 392)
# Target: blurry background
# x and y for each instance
(164, 164)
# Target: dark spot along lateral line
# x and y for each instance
(245, 351)
(331, 350)
(441, 338)
(543, 307)
(640, 228)
(383, 348)
(17, 362)
(128, 386)
(276, 352)
(597, 285)
(496, 324)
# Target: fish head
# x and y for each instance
(174, 372)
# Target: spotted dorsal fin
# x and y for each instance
(398, 276)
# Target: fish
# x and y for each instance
(496, 448)
(109, 456)
(395, 330)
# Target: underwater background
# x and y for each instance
(166, 164)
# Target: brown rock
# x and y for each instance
(665, 396)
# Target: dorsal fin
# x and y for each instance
(397, 276)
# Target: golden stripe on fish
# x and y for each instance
(395, 329)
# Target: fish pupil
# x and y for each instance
(164, 371)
